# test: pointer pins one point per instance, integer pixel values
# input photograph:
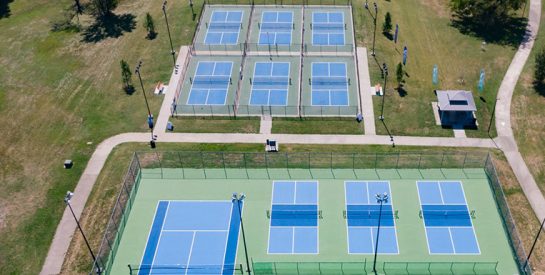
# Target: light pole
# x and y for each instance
(150, 116)
(385, 72)
(375, 31)
(239, 198)
(168, 30)
(533, 245)
(381, 198)
(67, 198)
(192, 11)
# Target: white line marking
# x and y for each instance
(190, 252)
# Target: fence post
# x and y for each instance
(181, 164)
(267, 165)
(464, 164)
(245, 166)
(223, 161)
(202, 165)
(288, 165)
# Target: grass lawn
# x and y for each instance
(316, 126)
(58, 91)
(527, 117)
(215, 125)
(103, 196)
(425, 28)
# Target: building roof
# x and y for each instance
(456, 100)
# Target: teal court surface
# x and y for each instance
(288, 60)
(310, 221)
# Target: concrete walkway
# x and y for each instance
(506, 140)
(365, 95)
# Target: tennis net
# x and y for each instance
(368, 214)
(446, 214)
(294, 214)
(210, 79)
(335, 81)
(270, 81)
(183, 269)
(274, 26)
(224, 26)
(328, 26)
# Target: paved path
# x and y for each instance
(67, 226)
(505, 139)
(365, 94)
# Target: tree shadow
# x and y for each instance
(129, 90)
(111, 26)
(510, 31)
(388, 36)
(540, 88)
(401, 91)
(5, 11)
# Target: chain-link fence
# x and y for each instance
(118, 219)
(365, 267)
(508, 222)
(280, 2)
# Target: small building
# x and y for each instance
(456, 108)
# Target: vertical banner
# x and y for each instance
(435, 79)
(405, 55)
(481, 81)
(396, 33)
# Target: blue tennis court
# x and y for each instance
(192, 237)
(329, 84)
(294, 218)
(223, 28)
(270, 84)
(328, 28)
(210, 83)
(447, 219)
(362, 214)
(276, 28)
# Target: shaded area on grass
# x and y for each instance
(215, 125)
(5, 11)
(540, 88)
(510, 31)
(111, 26)
(317, 126)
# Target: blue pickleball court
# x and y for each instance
(362, 215)
(275, 28)
(210, 84)
(328, 28)
(447, 220)
(329, 84)
(192, 237)
(294, 218)
(223, 28)
(270, 84)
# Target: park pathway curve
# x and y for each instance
(506, 140)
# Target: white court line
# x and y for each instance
(190, 252)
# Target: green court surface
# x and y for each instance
(346, 108)
(223, 106)
(413, 258)
(249, 86)
(258, 28)
(238, 27)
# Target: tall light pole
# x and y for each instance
(239, 198)
(168, 30)
(533, 245)
(381, 198)
(67, 198)
(192, 11)
(385, 72)
(375, 31)
(150, 116)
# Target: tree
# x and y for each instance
(486, 13)
(387, 26)
(150, 26)
(103, 8)
(126, 75)
(399, 74)
(539, 73)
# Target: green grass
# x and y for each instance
(425, 28)
(316, 126)
(62, 93)
(215, 125)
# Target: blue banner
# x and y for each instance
(481, 81)
(395, 34)
(405, 55)
(435, 79)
